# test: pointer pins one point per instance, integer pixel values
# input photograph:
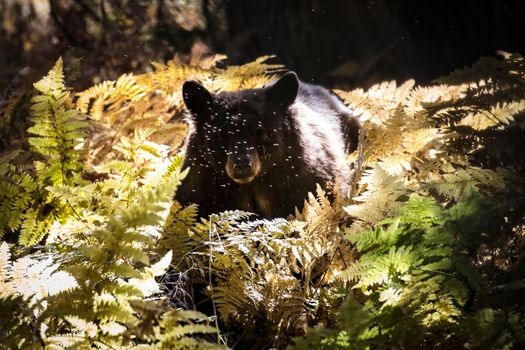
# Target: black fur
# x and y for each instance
(263, 150)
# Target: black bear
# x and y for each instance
(262, 150)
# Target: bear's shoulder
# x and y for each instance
(322, 109)
(320, 98)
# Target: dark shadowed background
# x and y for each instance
(339, 42)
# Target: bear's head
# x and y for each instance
(242, 132)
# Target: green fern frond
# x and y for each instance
(34, 226)
(463, 182)
(16, 193)
(57, 131)
(113, 267)
(352, 274)
(421, 212)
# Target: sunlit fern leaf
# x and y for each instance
(177, 325)
(317, 207)
(57, 131)
(376, 102)
(33, 277)
(378, 237)
(115, 260)
(422, 96)
(486, 68)
(417, 140)
(5, 270)
(175, 71)
(53, 82)
(501, 113)
(113, 95)
(351, 274)
(239, 77)
(421, 212)
(31, 231)
(380, 198)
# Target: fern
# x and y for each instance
(28, 204)
(113, 271)
(249, 75)
(16, 330)
(179, 326)
(398, 270)
(493, 92)
(412, 271)
(462, 183)
(118, 108)
(57, 130)
(16, 189)
(291, 257)
(380, 199)
(415, 270)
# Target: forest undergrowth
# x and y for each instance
(426, 251)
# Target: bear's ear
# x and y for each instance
(284, 91)
(197, 99)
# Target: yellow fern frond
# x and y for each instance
(381, 197)
(501, 113)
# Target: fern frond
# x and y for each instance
(17, 329)
(352, 274)
(249, 75)
(113, 265)
(5, 270)
(178, 324)
(57, 131)
(421, 212)
(485, 69)
(378, 101)
(381, 197)
(34, 227)
(463, 182)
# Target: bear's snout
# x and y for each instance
(243, 168)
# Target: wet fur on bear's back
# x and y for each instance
(263, 150)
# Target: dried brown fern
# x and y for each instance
(154, 100)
